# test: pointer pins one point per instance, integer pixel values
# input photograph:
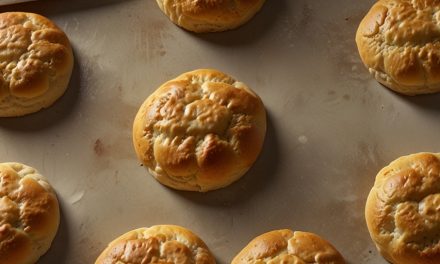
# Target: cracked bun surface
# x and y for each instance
(210, 15)
(168, 244)
(398, 41)
(36, 62)
(286, 246)
(200, 132)
(403, 210)
(29, 214)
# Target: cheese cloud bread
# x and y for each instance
(36, 62)
(286, 246)
(402, 210)
(210, 15)
(157, 244)
(200, 131)
(29, 214)
(398, 41)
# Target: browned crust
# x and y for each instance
(210, 15)
(402, 210)
(399, 42)
(159, 244)
(200, 131)
(36, 61)
(286, 246)
(29, 214)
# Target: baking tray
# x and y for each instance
(331, 127)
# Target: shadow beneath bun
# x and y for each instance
(429, 102)
(57, 253)
(259, 176)
(251, 31)
(56, 7)
(54, 114)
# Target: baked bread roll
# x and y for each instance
(403, 210)
(36, 62)
(157, 244)
(200, 132)
(286, 246)
(398, 41)
(29, 214)
(210, 15)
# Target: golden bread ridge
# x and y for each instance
(399, 42)
(402, 210)
(29, 214)
(157, 244)
(36, 62)
(199, 132)
(210, 15)
(286, 246)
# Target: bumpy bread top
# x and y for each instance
(403, 210)
(29, 214)
(398, 41)
(286, 246)
(35, 63)
(210, 15)
(200, 131)
(161, 244)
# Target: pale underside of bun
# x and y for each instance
(286, 246)
(399, 42)
(402, 210)
(157, 244)
(200, 132)
(210, 15)
(36, 63)
(29, 214)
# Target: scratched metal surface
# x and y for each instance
(330, 126)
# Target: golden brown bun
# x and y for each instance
(200, 132)
(286, 246)
(29, 214)
(398, 41)
(167, 244)
(36, 62)
(403, 210)
(210, 15)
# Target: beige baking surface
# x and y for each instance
(331, 127)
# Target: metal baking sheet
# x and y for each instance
(331, 127)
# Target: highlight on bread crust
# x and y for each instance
(157, 244)
(36, 63)
(402, 210)
(200, 132)
(210, 15)
(29, 214)
(398, 41)
(286, 246)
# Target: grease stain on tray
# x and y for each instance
(334, 97)
(98, 147)
(116, 177)
(117, 148)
